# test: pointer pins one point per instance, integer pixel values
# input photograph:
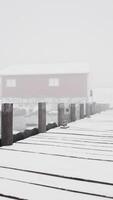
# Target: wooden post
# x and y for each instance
(107, 106)
(60, 113)
(87, 109)
(42, 117)
(93, 108)
(81, 111)
(77, 111)
(98, 108)
(7, 124)
(67, 114)
(72, 112)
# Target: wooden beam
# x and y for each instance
(60, 113)
(72, 112)
(88, 110)
(42, 117)
(81, 110)
(7, 124)
(93, 108)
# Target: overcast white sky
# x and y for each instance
(51, 31)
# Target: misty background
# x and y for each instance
(59, 31)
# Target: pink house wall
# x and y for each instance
(70, 85)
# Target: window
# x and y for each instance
(11, 83)
(53, 82)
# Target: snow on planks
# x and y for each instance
(76, 163)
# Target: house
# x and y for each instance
(68, 80)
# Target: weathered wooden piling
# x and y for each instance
(88, 110)
(72, 112)
(77, 111)
(7, 124)
(67, 113)
(42, 117)
(98, 108)
(93, 108)
(60, 113)
(104, 106)
(81, 110)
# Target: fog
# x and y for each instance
(62, 31)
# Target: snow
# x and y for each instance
(63, 68)
(50, 165)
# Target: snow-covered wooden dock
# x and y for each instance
(74, 163)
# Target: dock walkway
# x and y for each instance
(73, 163)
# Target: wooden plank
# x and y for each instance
(56, 183)
(21, 190)
(94, 147)
(62, 151)
(31, 192)
(69, 163)
(61, 166)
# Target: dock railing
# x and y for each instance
(79, 109)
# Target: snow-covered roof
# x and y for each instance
(63, 68)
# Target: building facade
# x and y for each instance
(44, 84)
